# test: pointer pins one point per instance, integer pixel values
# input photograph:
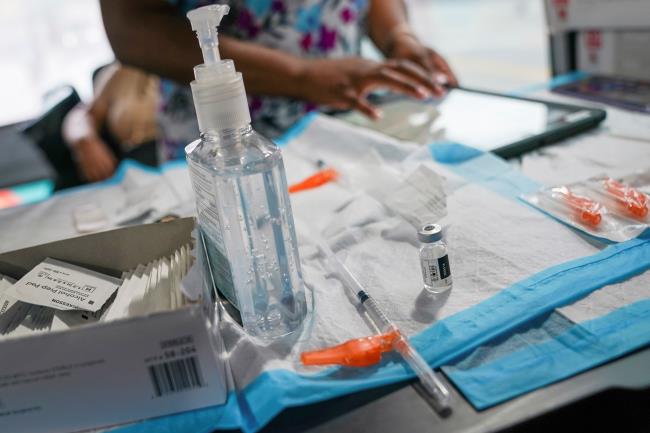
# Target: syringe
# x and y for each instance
(428, 379)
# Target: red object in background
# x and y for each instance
(8, 198)
(593, 42)
(562, 6)
(314, 181)
(360, 352)
(594, 39)
(633, 201)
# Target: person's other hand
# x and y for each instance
(407, 46)
(346, 83)
(94, 159)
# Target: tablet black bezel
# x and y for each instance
(555, 132)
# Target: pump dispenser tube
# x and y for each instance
(242, 197)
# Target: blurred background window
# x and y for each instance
(492, 44)
(45, 44)
(499, 45)
(51, 48)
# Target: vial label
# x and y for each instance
(443, 266)
(434, 270)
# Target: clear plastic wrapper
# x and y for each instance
(639, 180)
(621, 196)
(604, 207)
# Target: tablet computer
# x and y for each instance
(505, 125)
(620, 92)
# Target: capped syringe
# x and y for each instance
(389, 333)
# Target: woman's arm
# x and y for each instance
(386, 20)
(151, 35)
(93, 157)
(390, 31)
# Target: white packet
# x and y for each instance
(192, 284)
(64, 286)
(158, 299)
(173, 293)
(12, 313)
(139, 304)
(62, 320)
(89, 218)
(120, 307)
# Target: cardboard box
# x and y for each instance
(609, 52)
(114, 372)
(568, 15)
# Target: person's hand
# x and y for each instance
(94, 159)
(346, 83)
(405, 45)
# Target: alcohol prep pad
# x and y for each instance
(64, 286)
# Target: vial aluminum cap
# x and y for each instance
(430, 233)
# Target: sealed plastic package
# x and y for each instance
(608, 208)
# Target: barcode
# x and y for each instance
(175, 376)
(433, 271)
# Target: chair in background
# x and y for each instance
(45, 131)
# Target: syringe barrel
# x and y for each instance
(440, 393)
(441, 396)
(377, 316)
(430, 381)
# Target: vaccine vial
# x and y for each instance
(434, 259)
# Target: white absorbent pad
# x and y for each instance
(493, 243)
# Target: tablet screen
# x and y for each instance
(480, 120)
(487, 122)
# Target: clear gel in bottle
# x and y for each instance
(242, 197)
(434, 259)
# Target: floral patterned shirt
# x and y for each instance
(306, 28)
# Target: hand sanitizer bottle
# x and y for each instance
(242, 198)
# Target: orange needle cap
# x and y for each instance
(314, 181)
(586, 209)
(360, 352)
(633, 200)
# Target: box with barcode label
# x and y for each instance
(614, 53)
(571, 15)
(113, 372)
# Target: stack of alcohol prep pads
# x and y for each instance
(56, 295)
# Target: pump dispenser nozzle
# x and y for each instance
(205, 22)
(219, 94)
